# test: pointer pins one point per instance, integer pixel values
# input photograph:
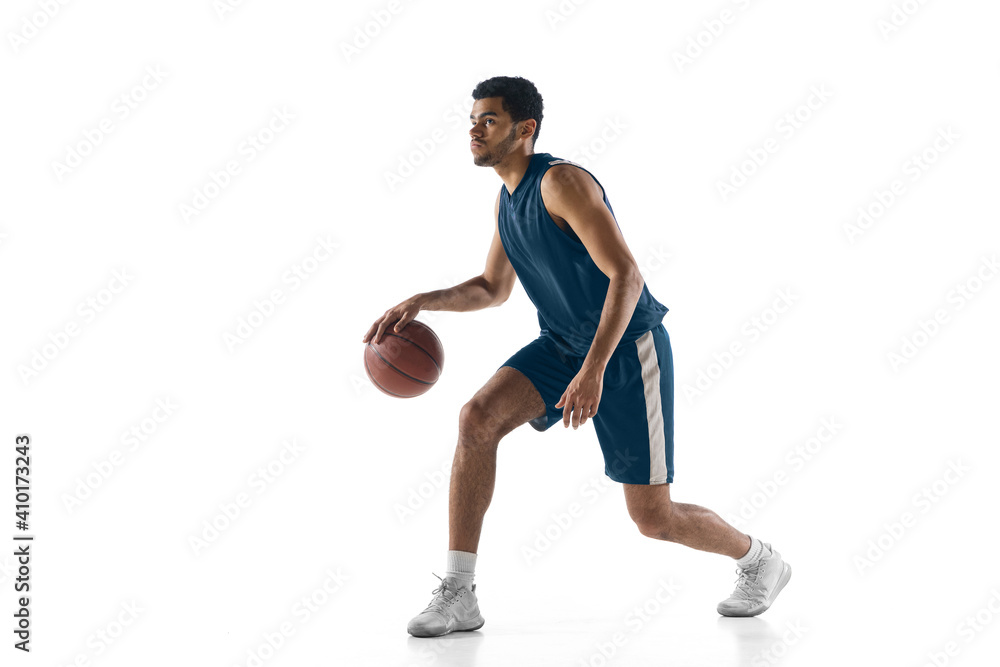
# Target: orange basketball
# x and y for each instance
(405, 364)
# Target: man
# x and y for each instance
(602, 354)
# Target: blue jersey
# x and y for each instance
(557, 271)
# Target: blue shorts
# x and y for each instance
(635, 418)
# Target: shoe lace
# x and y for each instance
(444, 597)
(746, 582)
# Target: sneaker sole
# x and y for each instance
(786, 574)
(476, 623)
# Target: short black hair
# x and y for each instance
(519, 96)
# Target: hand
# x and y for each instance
(582, 396)
(401, 314)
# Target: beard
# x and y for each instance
(491, 158)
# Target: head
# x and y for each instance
(506, 117)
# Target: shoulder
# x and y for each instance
(568, 179)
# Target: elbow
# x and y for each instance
(500, 297)
(499, 292)
(630, 276)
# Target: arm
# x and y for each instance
(572, 195)
(491, 288)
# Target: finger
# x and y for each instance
(403, 321)
(369, 333)
(567, 413)
(381, 328)
(372, 329)
(583, 415)
(561, 399)
(576, 416)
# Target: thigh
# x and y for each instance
(549, 370)
(507, 400)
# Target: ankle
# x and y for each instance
(752, 554)
(461, 565)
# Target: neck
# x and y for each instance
(511, 169)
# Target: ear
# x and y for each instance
(528, 128)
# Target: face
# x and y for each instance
(493, 133)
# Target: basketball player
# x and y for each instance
(602, 354)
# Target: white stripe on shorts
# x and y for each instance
(654, 410)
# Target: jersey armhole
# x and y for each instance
(604, 198)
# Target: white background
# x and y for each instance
(661, 136)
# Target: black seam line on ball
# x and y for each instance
(433, 360)
(396, 369)
(379, 385)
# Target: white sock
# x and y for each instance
(753, 555)
(461, 566)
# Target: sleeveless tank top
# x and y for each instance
(556, 270)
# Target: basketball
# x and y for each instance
(405, 364)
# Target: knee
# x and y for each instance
(658, 524)
(476, 425)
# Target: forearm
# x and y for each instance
(619, 304)
(474, 294)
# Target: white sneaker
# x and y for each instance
(757, 585)
(454, 608)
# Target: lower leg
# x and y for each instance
(694, 526)
(506, 401)
(763, 573)
(700, 528)
(473, 477)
